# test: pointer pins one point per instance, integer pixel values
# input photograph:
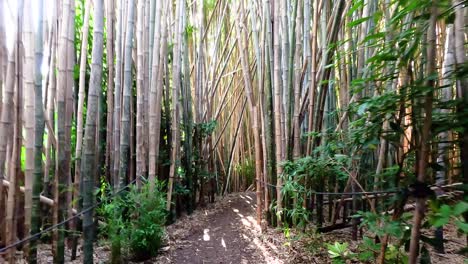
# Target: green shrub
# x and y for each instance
(134, 222)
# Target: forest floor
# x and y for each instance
(226, 232)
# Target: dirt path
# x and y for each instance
(225, 233)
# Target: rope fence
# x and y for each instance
(454, 185)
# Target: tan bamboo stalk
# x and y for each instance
(79, 116)
(297, 81)
(14, 168)
(28, 84)
(43, 199)
(60, 193)
(117, 93)
(110, 22)
(81, 98)
(277, 109)
(266, 104)
(7, 118)
(69, 107)
(14, 172)
(198, 98)
(154, 98)
(140, 150)
(243, 46)
(162, 71)
(313, 73)
(49, 116)
(306, 39)
(3, 56)
(180, 7)
(286, 80)
(462, 83)
(127, 89)
(38, 134)
(146, 80)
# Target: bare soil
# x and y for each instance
(226, 232)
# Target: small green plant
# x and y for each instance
(302, 176)
(441, 214)
(368, 250)
(339, 252)
(135, 221)
(247, 170)
(287, 235)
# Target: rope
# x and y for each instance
(50, 228)
(338, 193)
(454, 185)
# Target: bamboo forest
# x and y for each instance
(234, 131)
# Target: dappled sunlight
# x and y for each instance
(230, 235)
(245, 222)
(223, 244)
(206, 236)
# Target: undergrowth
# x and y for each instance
(134, 222)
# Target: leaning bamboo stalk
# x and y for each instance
(43, 199)
(234, 144)
(242, 47)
